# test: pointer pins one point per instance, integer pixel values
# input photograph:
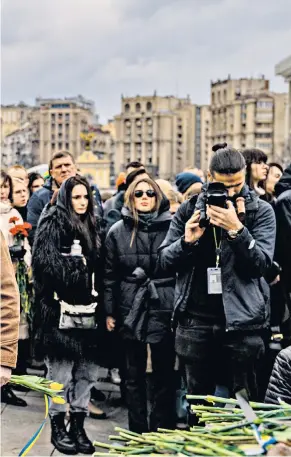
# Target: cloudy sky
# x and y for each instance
(103, 48)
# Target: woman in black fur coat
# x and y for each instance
(68, 343)
(138, 300)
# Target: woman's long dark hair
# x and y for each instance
(6, 178)
(253, 156)
(84, 226)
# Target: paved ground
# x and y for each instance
(19, 424)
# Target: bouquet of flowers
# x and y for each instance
(50, 388)
(19, 232)
(17, 253)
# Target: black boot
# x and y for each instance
(9, 397)
(60, 438)
(78, 433)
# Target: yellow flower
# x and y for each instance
(56, 386)
(58, 400)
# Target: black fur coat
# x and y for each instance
(71, 279)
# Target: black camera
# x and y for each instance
(215, 194)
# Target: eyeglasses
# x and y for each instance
(149, 193)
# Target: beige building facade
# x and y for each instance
(61, 122)
(13, 117)
(245, 114)
(283, 68)
(158, 131)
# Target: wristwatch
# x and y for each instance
(234, 233)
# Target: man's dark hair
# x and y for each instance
(60, 155)
(251, 156)
(226, 160)
(7, 179)
(274, 164)
(131, 177)
(134, 165)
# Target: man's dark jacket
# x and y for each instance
(283, 217)
(280, 381)
(244, 262)
(42, 197)
(138, 293)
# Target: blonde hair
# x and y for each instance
(130, 203)
(17, 167)
(174, 197)
(165, 186)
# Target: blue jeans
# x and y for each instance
(78, 379)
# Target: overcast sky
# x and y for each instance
(103, 48)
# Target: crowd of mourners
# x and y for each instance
(173, 287)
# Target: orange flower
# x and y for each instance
(24, 233)
(13, 231)
(27, 226)
(13, 219)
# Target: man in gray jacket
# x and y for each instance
(221, 255)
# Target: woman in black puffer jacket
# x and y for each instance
(63, 280)
(139, 300)
(280, 381)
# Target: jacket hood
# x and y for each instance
(62, 200)
(5, 207)
(284, 183)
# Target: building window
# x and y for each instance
(53, 126)
(53, 117)
(53, 137)
(60, 145)
(149, 121)
(60, 136)
(60, 127)
(67, 146)
(60, 116)
(127, 107)
(67, 117)
(149, 106)
(213, 98)
(264, 105)
(137, 107)
(53, 146)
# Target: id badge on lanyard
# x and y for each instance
(214, 284)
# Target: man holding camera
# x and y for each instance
(221, 246)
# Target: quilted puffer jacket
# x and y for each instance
(138, 293)
(280, 381)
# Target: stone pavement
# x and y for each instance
(19, 424)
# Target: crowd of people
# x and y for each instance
(173, 287)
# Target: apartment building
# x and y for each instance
(61, 122)
(158, 131)
(13, 117)
(245, 114)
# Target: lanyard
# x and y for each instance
(217, 247)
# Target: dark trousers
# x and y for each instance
(162, 408)
(213, 356)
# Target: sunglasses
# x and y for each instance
(149, 193)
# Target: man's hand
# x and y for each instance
(5, 375)
(192, 230)
(225, 218)
(276, 280)
(110, 323)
